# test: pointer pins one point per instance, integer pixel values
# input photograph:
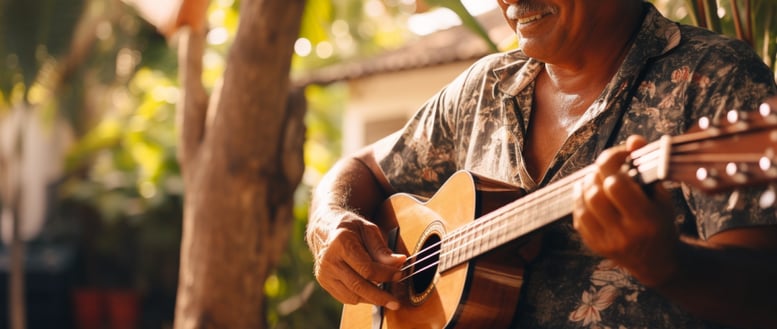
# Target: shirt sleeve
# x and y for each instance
(422, 155)
(738, 80)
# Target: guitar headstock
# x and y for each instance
(741, 150)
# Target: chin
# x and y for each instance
(534, 49)
(529, 48)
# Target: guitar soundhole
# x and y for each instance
(425, 269)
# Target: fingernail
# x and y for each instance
(392, 306)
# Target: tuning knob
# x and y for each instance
(707, 178)
(767, 164)
(734, 116)
(704, 123)
(707, 124)
(737, 119)
(739, 173)
(767, 113)
(768, 197)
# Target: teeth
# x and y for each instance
(513, 13)
(529, 19)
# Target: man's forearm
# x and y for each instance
(726, 285)
(348, 188)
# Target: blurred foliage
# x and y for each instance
(756, 22)
(126, 163)
(33, 32)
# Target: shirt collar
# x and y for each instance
(657, 36)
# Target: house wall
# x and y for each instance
(379, 105)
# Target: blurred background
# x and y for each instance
(92, 192)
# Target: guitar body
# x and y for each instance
(480, 293)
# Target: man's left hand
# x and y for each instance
(617, 219)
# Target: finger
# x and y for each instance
(585, 221)
(635, 142)
(641, 216)
(377, 247)
(611, 161)
(367, 292)
(349, 287)
(339, 291)
(356, 257)
(626, 195)
(598, 203)
(588, 228)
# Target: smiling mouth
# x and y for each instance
(523, 16)
(526, 20)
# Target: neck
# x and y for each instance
(594, 66)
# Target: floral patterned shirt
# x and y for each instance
(672, 76)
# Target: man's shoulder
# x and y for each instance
(703, 41)
(500, 60)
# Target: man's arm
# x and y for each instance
(349, 250)
(728, 279)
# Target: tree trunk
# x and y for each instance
(241, 158)
(16, 284)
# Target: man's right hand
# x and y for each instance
(352, 258)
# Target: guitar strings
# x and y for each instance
(422, 259)
(456, 236)
(495, 222)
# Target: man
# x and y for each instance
(588, 75)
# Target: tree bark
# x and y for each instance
(241, 158)
(17, 305)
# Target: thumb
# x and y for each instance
(635, 142)
(377, 247)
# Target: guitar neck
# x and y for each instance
(527, 214)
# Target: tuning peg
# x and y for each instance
(767, 164)
(707, 178)
(704, 123)
(707, 124)
(738, 119)
(734, 116)
(739, 173)
(767, 113)
(768, 197)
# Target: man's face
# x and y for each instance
(547, 28)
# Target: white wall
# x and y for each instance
(380, 104)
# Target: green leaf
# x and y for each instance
(466, 19)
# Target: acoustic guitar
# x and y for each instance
(467, 244)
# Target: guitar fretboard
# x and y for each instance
(522, 216)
